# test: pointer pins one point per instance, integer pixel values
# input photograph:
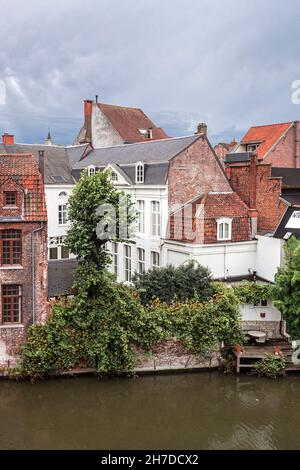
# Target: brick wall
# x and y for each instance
(287, 152)
(193, 172)
(259, 190)
(13, 336)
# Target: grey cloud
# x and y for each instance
(229, 63)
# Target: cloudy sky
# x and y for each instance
(230, 63)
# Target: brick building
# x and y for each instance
(23, 252)
(106, 125)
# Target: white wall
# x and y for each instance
(145, 240)
(252, 313)
(103, 134)
(268, 257)
(224, 260)
(52, 201)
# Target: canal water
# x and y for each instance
(189, 411)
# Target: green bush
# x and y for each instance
(271, 366)
(253, 293)
(168, 284)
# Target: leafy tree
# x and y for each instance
(287, 282)
(188, 281)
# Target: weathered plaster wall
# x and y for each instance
(103, 134)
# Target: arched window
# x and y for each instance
(62, 194)
(224, 229)
(91, 170)
(139, 172)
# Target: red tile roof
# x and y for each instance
(223, 205)
(24, 170)
(268, 136)
(128, 121)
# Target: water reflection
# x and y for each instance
(201, 411)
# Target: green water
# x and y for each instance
(200, 411)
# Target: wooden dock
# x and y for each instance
(251, 354)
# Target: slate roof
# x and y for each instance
(268, 135)
(127, 122)
(60, 276)
(290, 176)
(58, 159)
(156, 151)
(24, 170)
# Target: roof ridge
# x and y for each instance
(271, 125)
(118, 106)
(149, 141)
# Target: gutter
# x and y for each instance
(33, 270)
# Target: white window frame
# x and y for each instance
(141, 265)
(155, 219)
(115, 255)
(155, 259)
(114, 176)
(139, 172)
(222, 222)
(127, 263)
(140, 207)
(91, 170)
(62, 213)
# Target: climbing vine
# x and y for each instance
(253, 293)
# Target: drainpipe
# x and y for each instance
(33, 270)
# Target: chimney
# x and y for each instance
(252, 181)
(201, 128)
(88, 108)
(42, 163)
(8, 139)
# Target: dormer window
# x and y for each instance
(139, 173)
(114, 176)
(224, 229)
(252, 147)
(147, 133)
(91, 170)
(10, 199)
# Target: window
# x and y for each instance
(140, 205)
(139, 173)
(53, 252)
(224, 229)
(251, 147)
(10, 198)
(115, 257)
(140, 260)
(155, 260)
(11, 247)
(155, 218)
(64, 252)
(91, 170)
(63, 194)
(62, 214)
(261, 303)
(114, 176)
(11, 303)
(127, 266)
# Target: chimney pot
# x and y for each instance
(202, 128)
(8, 139)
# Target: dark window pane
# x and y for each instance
(53, 252)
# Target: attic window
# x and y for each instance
(114, 176)
(10, 198)
(139, 172)
(62, 194)
(147, 133)
(224, 229)
(58, 179)
(252, 147)
(91, 170)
